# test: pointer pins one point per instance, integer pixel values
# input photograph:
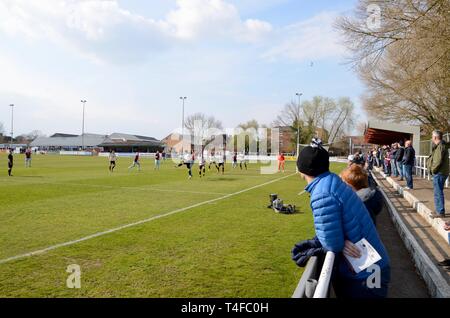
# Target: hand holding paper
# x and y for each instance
(369, 256)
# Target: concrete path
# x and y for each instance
(405, 281)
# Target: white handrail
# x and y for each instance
(422, 170)
(323, 284)
(309, 273)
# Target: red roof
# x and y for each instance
(384, 137)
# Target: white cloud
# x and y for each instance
(196, 18)
(94, 28)
(314, 39)
(102, 30)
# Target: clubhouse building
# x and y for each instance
(118, 142)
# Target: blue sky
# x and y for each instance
(132, 59)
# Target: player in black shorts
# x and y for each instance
(10, 162)
(212, 160)
(221, 159)
(188, 160)
(202, 166)
(112, 160)
(235, 160)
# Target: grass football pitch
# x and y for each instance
(149, 233)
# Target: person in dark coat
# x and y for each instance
(10, 162)
(399, 159)
(408, 163)
(392, 156)
(387, 161)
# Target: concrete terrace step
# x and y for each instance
(421, 239)
(421, 199)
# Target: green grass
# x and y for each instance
(234, 247)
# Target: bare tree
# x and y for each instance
(292, 116)
(203, 129)
(404, 61)
(34, 134)
(289, 115)
(321, 117)
(342, 120)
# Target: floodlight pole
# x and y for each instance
(182, 125)
(298, 123)
(82, 126)
(12, 125)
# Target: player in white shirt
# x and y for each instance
(188, 161)
(242, 160)
(201, 166)
(220, 159)
(112, 160)
(212, 160)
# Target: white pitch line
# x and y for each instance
(141, 189)
(104, 186)
(116, 229)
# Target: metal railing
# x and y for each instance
(313, 285)
(422, 170)
(426, 146)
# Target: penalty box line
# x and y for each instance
(116, 229)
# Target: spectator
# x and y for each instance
(438, 166)
(358, 179)
(370, 160)
(387, 161)
(380, 157)
(399, 159)
(392, 156)
(355, 160)
(350, 160)
(408, 164)
(340, 220)
(376, 156)
(359, 159)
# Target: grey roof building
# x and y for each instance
(68, 141)
(116, 141)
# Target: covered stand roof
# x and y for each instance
(384, 137)
(386, 133)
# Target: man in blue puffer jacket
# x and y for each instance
(340, 220)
